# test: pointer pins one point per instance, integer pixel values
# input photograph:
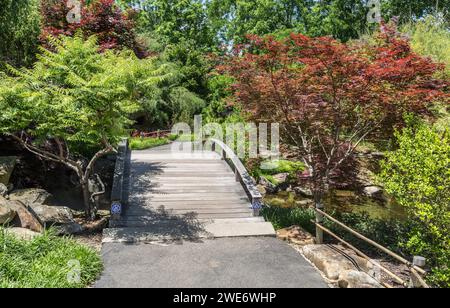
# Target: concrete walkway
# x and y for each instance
(220, 263)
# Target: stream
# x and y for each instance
(345, 202)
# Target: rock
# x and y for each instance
(304, 203)
(304, 192)
(296, 235)
(24, 217)
(375, 192)
(6, 215)
(268, 186)
(262, 189)
(69, 229)
(3, 190)
(51, 215)
(31, 196)
(281, 177)
(7, 164)
(344, 194)
(22, 233)
(357, 280)
(327, 260)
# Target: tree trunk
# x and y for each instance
(318, 198)
(86, 199)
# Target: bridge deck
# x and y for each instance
(167, 189)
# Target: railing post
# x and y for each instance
(415, 280)
(319, 220)
(237, 175)
(213, 147)
(256, 206)
(224, 155)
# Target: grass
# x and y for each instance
(44, 262)
(138, 143)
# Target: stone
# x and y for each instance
(330, 262)
(304, 192)
(375, 192)
(24, 217)
(23, 233)
(304, 203)
(51, 215)
(3, 190)
(296, 235)
(357, 280)
(281, 177)
(261, 189)
(31, 196)
(268, 186)
(6, 215)
(7, 164)
(69, 229)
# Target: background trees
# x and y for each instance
(20, 29)
(113, 27)
(328, 96)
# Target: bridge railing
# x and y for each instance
(415, 267)
(240, 172)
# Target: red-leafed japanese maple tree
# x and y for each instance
(328, 96)
(113, 27)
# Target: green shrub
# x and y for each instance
(44, 262)
(418, 176)
(279, 166)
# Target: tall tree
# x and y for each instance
(328, 96)
(75, 98)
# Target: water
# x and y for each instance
(343, 201)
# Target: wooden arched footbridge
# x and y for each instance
(175, 191)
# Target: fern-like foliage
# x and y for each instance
(77, 94)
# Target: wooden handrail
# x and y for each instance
(415, 270)
(241, 173)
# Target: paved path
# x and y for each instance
(189, 224)
(220, 263)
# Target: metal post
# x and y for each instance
(213, 147)
(224, 155)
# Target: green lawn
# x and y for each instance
(138, 143)
(46, 262)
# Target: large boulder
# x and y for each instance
(357, 280)
(52, 215)
(6, 215)
(304, 192)
(268, 186)
(7, 164)
(3, 190)
(296, 235)
(31, 196)
(375, 192)
(24, 218)
(327, 260)
(22, 233)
